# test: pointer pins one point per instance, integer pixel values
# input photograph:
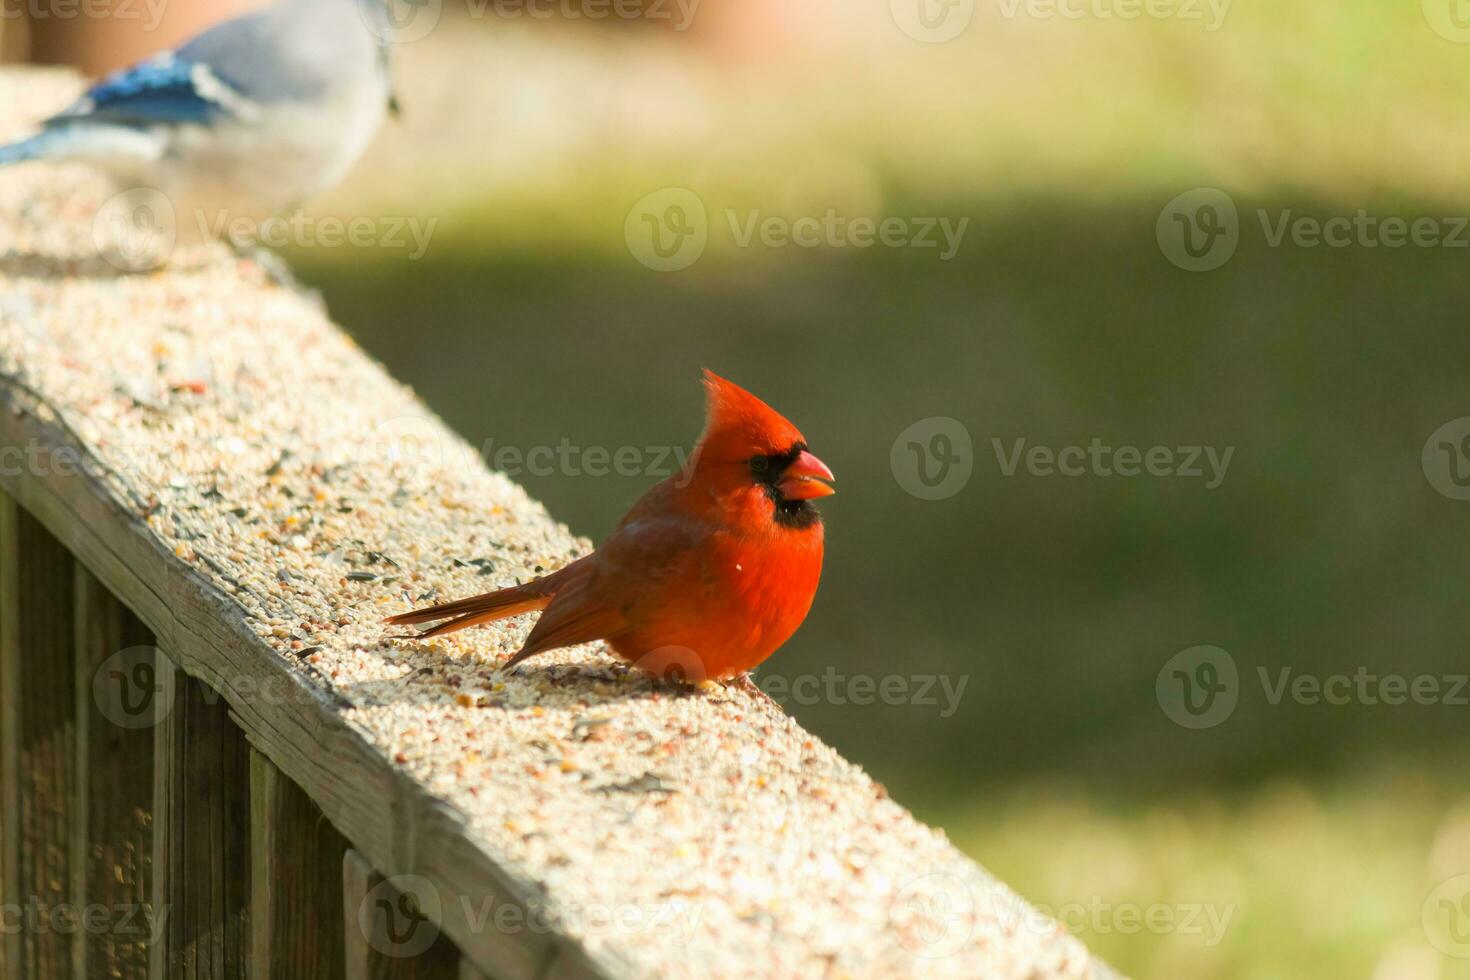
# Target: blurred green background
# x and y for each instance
(1320, 832)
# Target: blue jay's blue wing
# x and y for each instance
(164, 90)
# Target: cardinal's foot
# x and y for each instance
(746, 684)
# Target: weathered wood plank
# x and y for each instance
(201, 844)
(387, 935)
(117, 704)
(164, 793)
(9, 942)
(38, 744)
(296, 918)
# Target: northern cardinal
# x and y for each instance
(709, 573)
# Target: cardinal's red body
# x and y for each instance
(709, 573)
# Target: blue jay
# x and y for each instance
(250, 118)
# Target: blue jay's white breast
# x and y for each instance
(272, 162)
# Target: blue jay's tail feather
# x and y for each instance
(29, 149)
(85, 141)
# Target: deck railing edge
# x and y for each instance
(401, 828)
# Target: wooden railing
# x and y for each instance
(214, 761)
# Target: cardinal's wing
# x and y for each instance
(639, 563)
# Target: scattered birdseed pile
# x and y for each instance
(699, 834)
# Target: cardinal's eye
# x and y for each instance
(760, 464)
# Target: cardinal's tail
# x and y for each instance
(478, 610)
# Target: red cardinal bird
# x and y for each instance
(709, 573)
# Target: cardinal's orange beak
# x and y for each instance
(802, 479)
